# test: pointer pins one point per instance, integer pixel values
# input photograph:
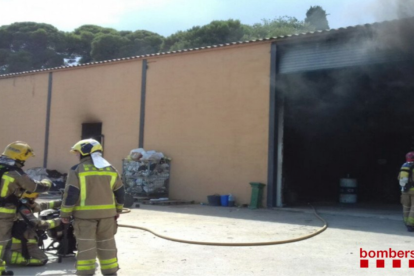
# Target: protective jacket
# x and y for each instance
(92, 193)
(13, 182)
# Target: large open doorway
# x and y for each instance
(356, 122)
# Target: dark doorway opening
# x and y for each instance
(356, 123)
(94, 131)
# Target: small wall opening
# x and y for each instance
(94, 131)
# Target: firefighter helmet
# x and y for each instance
(18, 151)
(410, 156)
(87, 146)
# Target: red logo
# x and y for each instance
(376, 258)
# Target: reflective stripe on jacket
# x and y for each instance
(37, 223)
(16, 182)
(91, 193)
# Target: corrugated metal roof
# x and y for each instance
(278, 38)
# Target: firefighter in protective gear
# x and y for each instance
(94, 197)
(406, 178)
(13, 183)
(28, 232)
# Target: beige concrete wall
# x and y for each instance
(23, 102)
(209, 112)
(109, 94)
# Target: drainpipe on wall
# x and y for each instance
(48, 106)
(143, 97)
(279, 158)
(272, 168)
(276, 125)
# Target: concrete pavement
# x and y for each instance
(336, 251)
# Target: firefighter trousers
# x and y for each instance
(6, 225)
(407, 201)
(96, 238)
(14, 255)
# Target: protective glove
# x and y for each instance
(116, 216)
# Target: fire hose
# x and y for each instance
(320, 230)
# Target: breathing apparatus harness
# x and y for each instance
(20, 226)
(410, 183)
(13, 198)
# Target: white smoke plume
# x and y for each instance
(390, 9)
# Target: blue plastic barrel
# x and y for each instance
(224, 200)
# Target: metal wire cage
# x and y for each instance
(148, 178)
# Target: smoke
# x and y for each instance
(342, 120)
(390, 9)
(363, 90)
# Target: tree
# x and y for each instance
(80, 41)
(94, 43)
(141, 42)
(284, 25)
(28, 46)
(173, 40)
(107, 46)
(316, 17)
(20, 61)
(217, 32)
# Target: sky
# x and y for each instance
(166, 17)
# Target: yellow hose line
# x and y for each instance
(323, 228)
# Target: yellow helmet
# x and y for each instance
(30, 195)
(87, 146)
(18, 151)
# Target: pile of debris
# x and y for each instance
(58, 179)
(146, 173)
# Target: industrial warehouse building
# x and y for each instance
(297, 113)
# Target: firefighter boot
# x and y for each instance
(3, 270)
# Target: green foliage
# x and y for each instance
(94, 29)
(277, 27)
(94, 43)
(217, 32)
(81, 39)
(316, 17)
(107, 46)
(4, 55)
(29, 45)
(20, 61)
(173, 39)
(142, 42)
